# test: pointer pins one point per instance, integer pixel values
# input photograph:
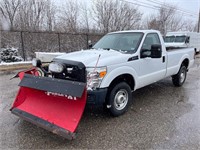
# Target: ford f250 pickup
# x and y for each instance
(54, 96)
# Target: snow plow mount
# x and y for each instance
(53, 85)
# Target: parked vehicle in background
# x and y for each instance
(183, 39)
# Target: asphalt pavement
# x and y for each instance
(161, 117)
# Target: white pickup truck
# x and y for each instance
(54, 96)
(124, 61)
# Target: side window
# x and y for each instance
(150, 39)
(187, 40)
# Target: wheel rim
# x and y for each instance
(182, 76)
(121, 99)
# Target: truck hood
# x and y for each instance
(90, 57)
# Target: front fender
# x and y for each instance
(117, 72)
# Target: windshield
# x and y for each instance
(176, 39)
(180, 39)
(169, 39)
(127, 42)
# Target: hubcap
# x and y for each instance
(121, 99)
(182, 76)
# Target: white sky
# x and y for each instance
(191, 6)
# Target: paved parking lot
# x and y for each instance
(161, 117)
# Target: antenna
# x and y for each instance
(97, 62)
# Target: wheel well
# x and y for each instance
(126, 78)
(185, 63)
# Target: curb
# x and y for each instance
(15, 67)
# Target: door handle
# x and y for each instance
(163, 59)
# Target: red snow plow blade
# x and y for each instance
(54, 104)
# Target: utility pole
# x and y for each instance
(198, 26)
(0, 36)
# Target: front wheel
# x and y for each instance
(119, 99)
(180, 77)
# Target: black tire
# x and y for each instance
(180, 77)
(119, 99)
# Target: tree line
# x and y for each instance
(75, 16)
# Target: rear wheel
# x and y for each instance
(180, 77)
(119, 98)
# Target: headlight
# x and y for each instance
(95, 76)
(36, 62)
(56, 67)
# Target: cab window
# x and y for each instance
(150, 39)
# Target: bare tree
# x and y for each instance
(163, 20)
(196, 27)
(68, 19)
(50, 20)
(189, 26)
(28, 15)
(152, 22)
(165, 16)
(112, 15)
(168, 19)
(85, 17)
(31, 14)
(1, 21)
(8, 9)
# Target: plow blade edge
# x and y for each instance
(54, 104)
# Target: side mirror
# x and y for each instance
(36, 62)
(90, 44)
(156, 51)
(187, 40)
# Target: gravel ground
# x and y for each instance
(161, 117)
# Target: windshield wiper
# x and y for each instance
(120, 51)
(123, 51)
(106, 49)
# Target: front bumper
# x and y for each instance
(97, 96)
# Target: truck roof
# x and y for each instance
(179, 33)
(130, 31)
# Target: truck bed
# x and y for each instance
(168, 49)
(176, 56)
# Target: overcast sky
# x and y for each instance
(190, 6)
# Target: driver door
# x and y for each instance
(151, 69)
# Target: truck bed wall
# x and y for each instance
(176, 57)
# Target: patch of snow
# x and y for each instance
(15, 63)
(51, 53)
(46, 56)
(9, 55)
